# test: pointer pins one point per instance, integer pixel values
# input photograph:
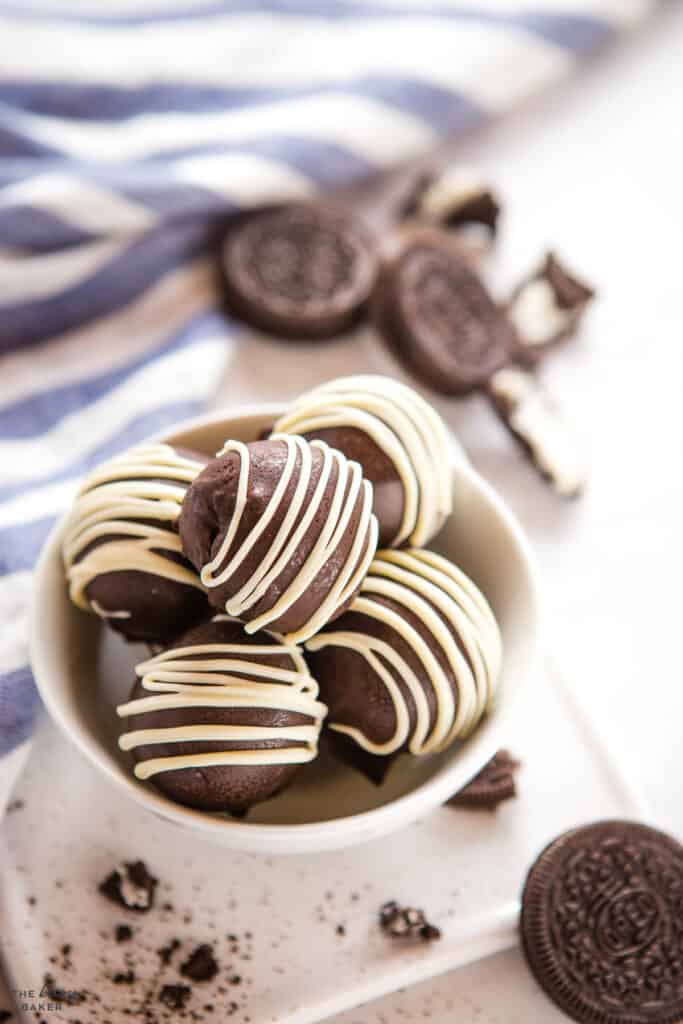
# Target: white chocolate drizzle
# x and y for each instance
(459, 621)
(403, 426)
(220, 675)
(135, 499)
(296, 517)
(104, 614)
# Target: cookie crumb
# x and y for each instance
(131, 885)
(406, 922)
(124, 977)
(166, 952)
(175, 997)
(200, 965)
(491, 786)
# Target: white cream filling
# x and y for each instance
(553, 448)
(536, 315)
(449, 192)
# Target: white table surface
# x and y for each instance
(593, 169)
(596, 169)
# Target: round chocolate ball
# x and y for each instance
(121, 548)
(303, 270)
(414, 663)
(221, 720)
(281, 532)
(400, 441)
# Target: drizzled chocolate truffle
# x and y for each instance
(221, 720)
(121, 548)
(413, 665)
(282, 533)
(399, 440)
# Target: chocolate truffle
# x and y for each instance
(399, 440)
(414, 663)
(121, 548)
(282, 533)
(220, 720)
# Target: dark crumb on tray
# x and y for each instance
(175, 996)
(166, 952)
(124, 977)
(200, 965)
(406, 922)
(494, 784)
(131, 886)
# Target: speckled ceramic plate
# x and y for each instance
(296, 938)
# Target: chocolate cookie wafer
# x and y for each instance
(306, 269)
(602, 924)
(535, 423)
(547, 307)
(435, 312)
(490, 787)
(303, 270)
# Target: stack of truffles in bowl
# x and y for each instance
(286, 587)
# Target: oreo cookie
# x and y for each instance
(303, 270)
(535, 423)
(547, 307)
(494, 784)
(458, 197)
(602, 924)
(435, 312)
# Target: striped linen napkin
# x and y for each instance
(129, 130)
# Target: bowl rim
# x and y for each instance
(334, 833)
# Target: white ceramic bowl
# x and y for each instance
(83, 671)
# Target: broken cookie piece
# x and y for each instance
(547, 306)
(535, 423)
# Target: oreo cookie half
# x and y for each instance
(602, 924)
(303, 270)
(491, 786)
(435, 312)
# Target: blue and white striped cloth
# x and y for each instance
(129, 129)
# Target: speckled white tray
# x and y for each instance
(464, 868)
